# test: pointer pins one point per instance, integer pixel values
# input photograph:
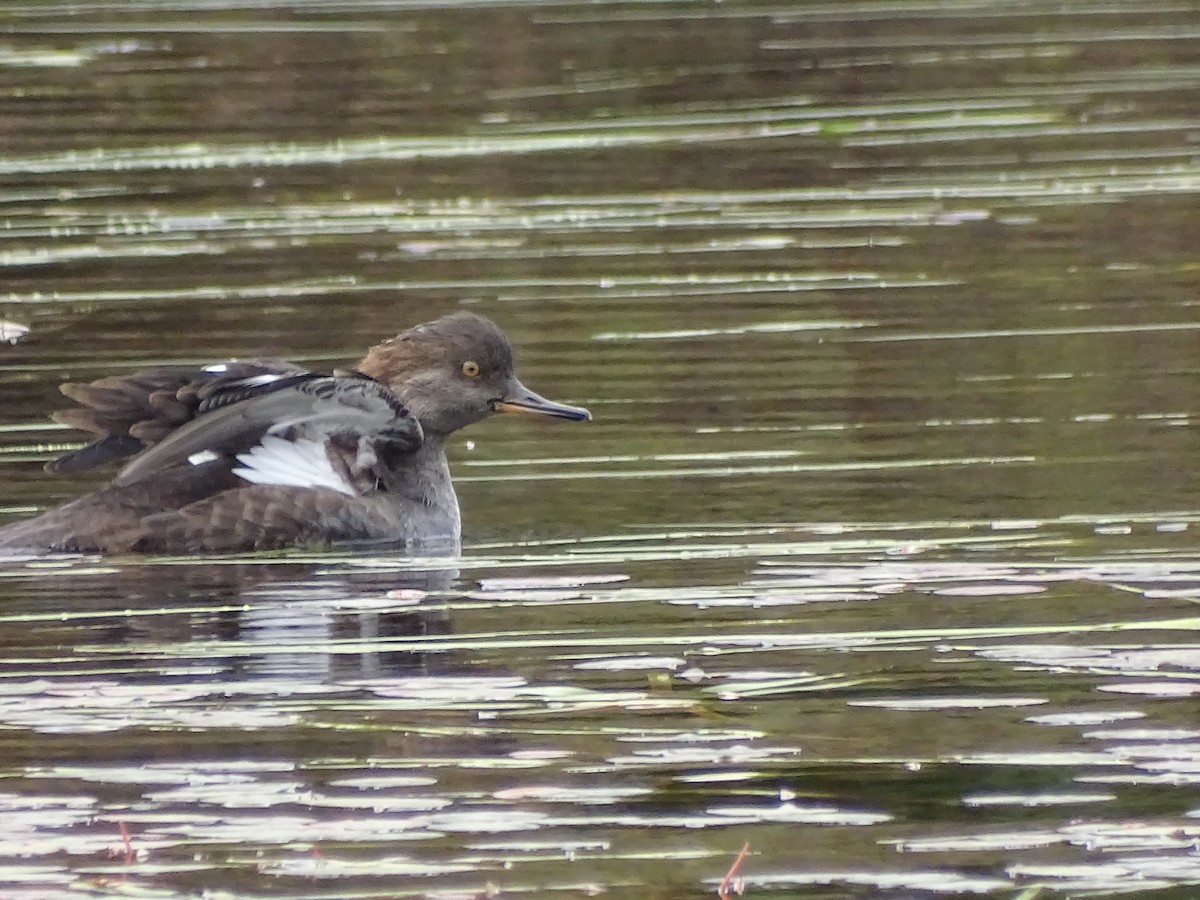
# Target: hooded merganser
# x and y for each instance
(261, 454)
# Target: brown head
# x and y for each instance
(454, 371)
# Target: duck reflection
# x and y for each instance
(238, 620)
(340, 627)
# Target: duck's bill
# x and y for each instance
(521, 399)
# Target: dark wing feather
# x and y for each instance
(129, 413)
(245, 388)
(316, 407)
(97, 453)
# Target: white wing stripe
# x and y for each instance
(299, 463)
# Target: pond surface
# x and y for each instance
(879, 556)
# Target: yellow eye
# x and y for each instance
(471, 368)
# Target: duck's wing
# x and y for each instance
(345, 432)
(128, 413)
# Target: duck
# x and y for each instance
(263, 454)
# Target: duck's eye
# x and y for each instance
(471, 369)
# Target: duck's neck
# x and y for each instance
(433, 471)
(424, 486)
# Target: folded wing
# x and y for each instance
(343, 432)
(128, 413)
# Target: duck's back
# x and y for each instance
(245, 456)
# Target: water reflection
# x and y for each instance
(283, 620)
(564, 705)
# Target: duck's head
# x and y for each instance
(454, 371)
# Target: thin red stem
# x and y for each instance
(723, 890)
(130, 853)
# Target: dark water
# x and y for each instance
(879, 556)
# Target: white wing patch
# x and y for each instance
(299, 463)
(202, 457)
(258, 380)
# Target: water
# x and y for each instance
(878, 557)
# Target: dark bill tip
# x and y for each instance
(522, 400)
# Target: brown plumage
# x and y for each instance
(258, 454)
(127, 413)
